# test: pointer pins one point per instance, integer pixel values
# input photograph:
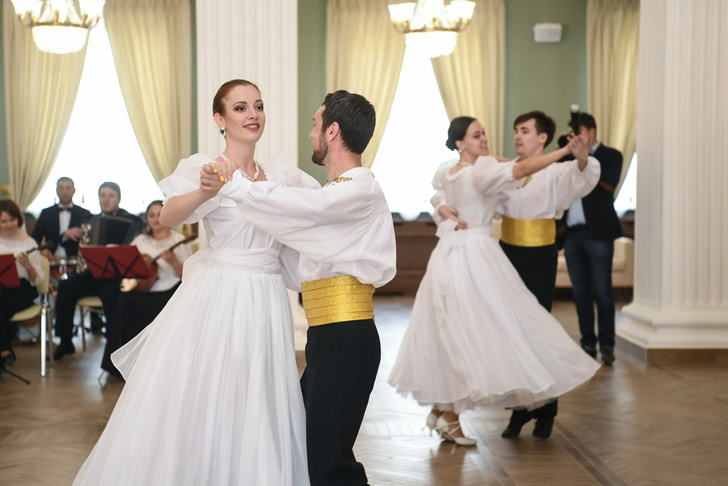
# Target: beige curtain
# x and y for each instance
(40, 91)
(151, 41)
(612, 54)
(364, 55)
(472, 78)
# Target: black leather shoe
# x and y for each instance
(590, 351)
(607, 356)
(63, 349)
(519, 417)
(543, 428)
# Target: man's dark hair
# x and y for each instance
(544, 124)
(65, 179)
(354, 114)
(113, 186)
(587, 121)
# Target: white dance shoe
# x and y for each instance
(431, 423)
(443, 428)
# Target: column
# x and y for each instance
(680, 308)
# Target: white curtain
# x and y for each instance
(40, 92)
(472, 78)
(151, 41)
(612, 55)
(364, 55)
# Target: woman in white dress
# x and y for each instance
(212, 393)
(477, 336)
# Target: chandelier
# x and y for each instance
(430, 25)
(59, 26)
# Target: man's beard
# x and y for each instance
(320, 154)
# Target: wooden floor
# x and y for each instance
(632, 425)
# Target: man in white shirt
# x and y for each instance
(345, 236)
(528, 229)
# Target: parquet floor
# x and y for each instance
(632, 425)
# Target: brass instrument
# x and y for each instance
(81, 265)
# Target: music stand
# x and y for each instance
(114, 262)
(8, 272)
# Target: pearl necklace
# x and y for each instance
(257, 169)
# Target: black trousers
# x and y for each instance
(12, 300)
(342, 360)
(80, 285)
(136, 310)
(537, 267)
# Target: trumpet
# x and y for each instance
(81, 265)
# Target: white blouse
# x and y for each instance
(15, 247)
(344, 228)
(166, 276)
(549, 192)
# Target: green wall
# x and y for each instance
(311, 77)
(547, 77)
(4, 174)
(540, 76)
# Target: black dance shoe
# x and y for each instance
(607, 356)
(543, 428)
(63, 349)
(519, 418)
(590, 351)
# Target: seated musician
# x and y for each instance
(165, 249)
(124, 228)
(15, 242)
(59, 226)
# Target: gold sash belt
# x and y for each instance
(528, 232)
(337, 299)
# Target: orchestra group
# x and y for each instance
(128, 305)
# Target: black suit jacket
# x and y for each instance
(601, 218)
(48, 227)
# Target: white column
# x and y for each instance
(255, 40)
(681, 240)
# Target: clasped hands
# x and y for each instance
(214, 175)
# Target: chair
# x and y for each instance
(86, 304)
(27, 316)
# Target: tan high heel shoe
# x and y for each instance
(444, 430)
(431, 423)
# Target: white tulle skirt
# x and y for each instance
(212, 393)
(478, 337)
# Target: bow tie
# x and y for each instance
(65, 209)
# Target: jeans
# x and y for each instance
(589, 262)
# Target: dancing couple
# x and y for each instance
(212, 394)
(477, 335)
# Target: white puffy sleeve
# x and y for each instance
(35, 259)
(286, 173)
(185, 179)
(439, 198)
(492, 176)
(572, 183)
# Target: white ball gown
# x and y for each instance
(477, 336)
(212, 395)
